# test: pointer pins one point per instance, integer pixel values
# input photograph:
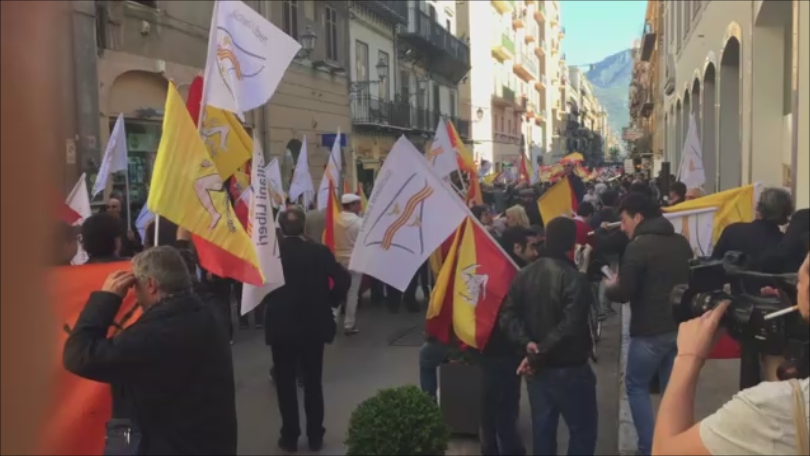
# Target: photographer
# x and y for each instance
(770, 418)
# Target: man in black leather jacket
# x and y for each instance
(545, 315)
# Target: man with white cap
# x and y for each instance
(347, 228)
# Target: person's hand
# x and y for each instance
(119, 282)
(611, 282)
(697, 337)
(131, 235)
(769, 291)
(525, 368)
(532, 349)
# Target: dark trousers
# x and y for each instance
(500, 408)
(258, 312)
(750, 370)
(288, 358)
(221, 289)
(396, 298)
(570, 392)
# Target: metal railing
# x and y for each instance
(366, 109)
(434, 33)
(508, 43)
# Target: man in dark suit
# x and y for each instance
(298, 324)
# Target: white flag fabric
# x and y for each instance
(115, 156)
(302, 180)
(247, 57)
(79, 201)
(331, 173)
(276, 185)
(697, 226)
(409, 214)
(442, 155)
(691, 171)
(143, 220)
(262, 230)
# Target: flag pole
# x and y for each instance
(129, 202)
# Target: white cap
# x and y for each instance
(349, 198)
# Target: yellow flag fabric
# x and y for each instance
(227, 141)
(188, 189)
(491, 178)
(733, 206)
(447, 273)
(557, 201)
(464, 306)
(363, 198)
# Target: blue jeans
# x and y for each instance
(646, 357)
(570, 392)
(431, 356)
(500, 407)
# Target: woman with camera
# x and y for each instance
(770, 418)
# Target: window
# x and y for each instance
(404, 85)
(309, 9)
(146, 3)
(452, 104)
(290, 18)
(361, 63)
(384, 86)
(449, 28)
(432, 12)
(331, 28)
(687, 18)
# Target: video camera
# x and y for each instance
(714, 281)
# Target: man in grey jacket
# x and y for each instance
(315, 225)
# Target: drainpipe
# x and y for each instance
(264, 114)
(794, 146)
(750, 93)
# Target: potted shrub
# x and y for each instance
(460, 391)
(397, 421)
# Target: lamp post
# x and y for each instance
(308, 40)
(382, 75)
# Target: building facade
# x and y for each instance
(512, 95)
(741, 68)
(585, 127)
(126, 52)
(407, 63)
(646, 104)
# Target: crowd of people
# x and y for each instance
(172, 374)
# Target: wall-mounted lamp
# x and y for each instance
(308, 40)
(382, 74)
(479, 114)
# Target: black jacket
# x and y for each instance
(171, 372)
(789, 255)
(302, 308)
(655, 261)
(548, 304)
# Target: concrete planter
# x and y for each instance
(460, 397)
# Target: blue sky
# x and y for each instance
(597, 29)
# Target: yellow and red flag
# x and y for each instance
(559, 201)
(331, 216)
(188, 190)
(466, 164)
(363, 199)
(79, 409)
(523, 171)
(440, 307)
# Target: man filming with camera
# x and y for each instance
(771, 418)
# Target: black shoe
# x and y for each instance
(316, 445)
(288, 446)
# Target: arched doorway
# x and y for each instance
(772, 48)
(730, 117)
(687, 110)
(676, 154)
(709, 130)
(671, 130)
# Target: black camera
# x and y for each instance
(714, 281)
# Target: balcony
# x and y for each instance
(503, 6)
(507, 138)
(370, 113)
(540, 48)
(562, 32)
(531, 33)
(541, 82)
(504, 47)
(504, 97)
(526, 67)
(540, 117)
(396, 12)
(647, 43)
(540, 13)
(517, 19)
(428, 44)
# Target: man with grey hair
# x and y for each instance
(171, 372)
(755, 239)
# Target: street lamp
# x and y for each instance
(382, 70)
(382, 75)
(308, 40)
(479, 114)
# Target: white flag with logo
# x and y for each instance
(143, 220)
(247, 57)
(79, 201)
(302, 180)
(262, 230)
(276, 186)
(332, 172)
(442, 155)
(697, 226)
(691, 171)
(115, 156)
(409, 214)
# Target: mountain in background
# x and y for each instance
(611, 81)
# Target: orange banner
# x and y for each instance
(79, 408)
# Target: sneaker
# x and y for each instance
(316, 445)
(288, 446)
(350, 332)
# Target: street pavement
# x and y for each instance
(385, 354)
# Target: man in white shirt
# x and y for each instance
(347, 228)
(770, 418)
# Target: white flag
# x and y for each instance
(442, 155)
(115, 156)
(697, 226)
(79, 201)
(262, 229)
(276, 186)
(302, 180)
(331, 173)
(142, 221)
(247, 57)
(691, 171)
(410, 213)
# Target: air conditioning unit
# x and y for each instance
(669, 85)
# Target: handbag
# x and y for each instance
(123, 438)
(800, 419)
